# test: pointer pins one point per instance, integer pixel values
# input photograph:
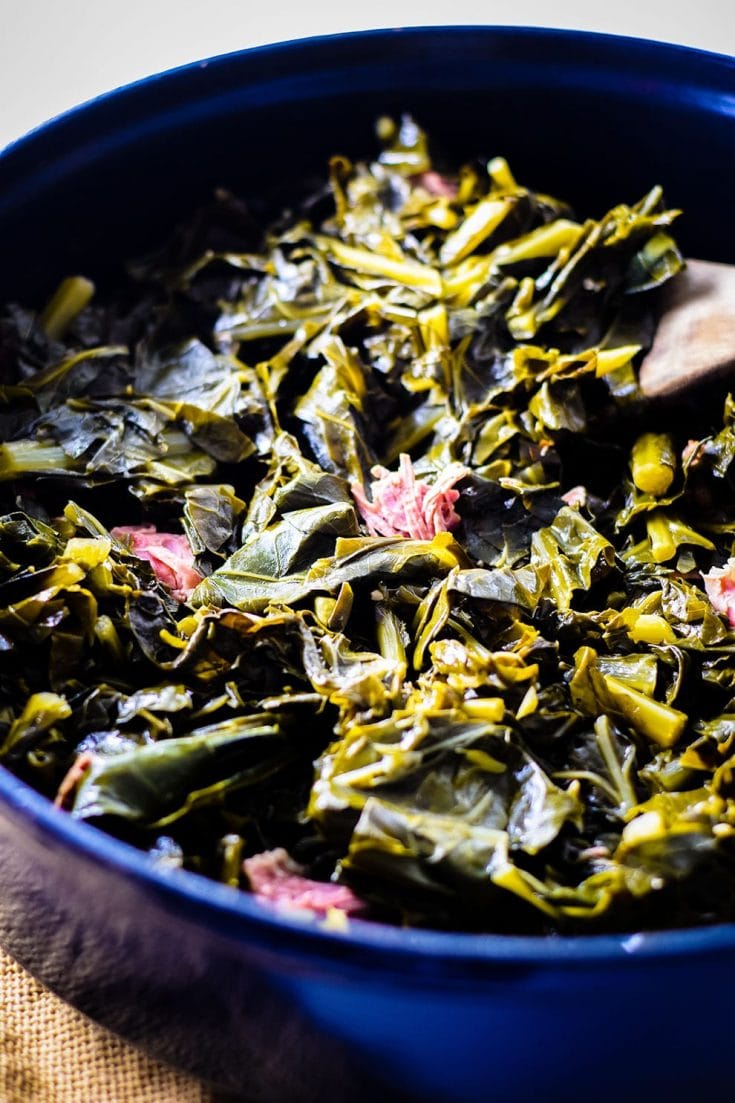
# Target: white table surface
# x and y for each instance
(57, 53)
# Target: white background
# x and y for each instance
(57, 53)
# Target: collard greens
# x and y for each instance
(354, 536)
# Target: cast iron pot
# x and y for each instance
(198, 974)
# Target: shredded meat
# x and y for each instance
(72, 777)
(693, 453)
(402, 505)
(719, 583)
(436, 184)
(168, 553)
(274, 876)
(576, 496)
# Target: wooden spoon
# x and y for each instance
(695, 338)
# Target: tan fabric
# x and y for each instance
(49, 1053)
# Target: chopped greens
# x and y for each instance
(353, 570)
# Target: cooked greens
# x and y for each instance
(359, 547)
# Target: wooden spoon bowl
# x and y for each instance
(695, 338)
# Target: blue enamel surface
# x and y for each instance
(199, 974)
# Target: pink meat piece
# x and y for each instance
(719, 584)
(72, 777)
(168, 553)
(402, 505)
(577, 496)
(693, 453)
(274, 876)
(436, 184)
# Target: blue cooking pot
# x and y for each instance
(201, 975)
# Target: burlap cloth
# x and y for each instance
(49, 1053)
